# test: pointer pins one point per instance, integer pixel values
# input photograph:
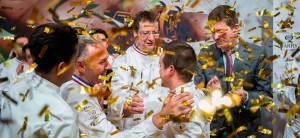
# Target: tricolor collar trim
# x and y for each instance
(138, 50)
(80, 81)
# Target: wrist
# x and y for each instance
(158, 121)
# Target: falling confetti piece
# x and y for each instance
(23, 128)
(51, 4)
(169, 52)
(31, 67)
(25, 96)
(80, 105)
(45, 111)
(111, 101)
(115, 132)
(9, 98)
(148, 114)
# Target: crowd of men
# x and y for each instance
(58, 84)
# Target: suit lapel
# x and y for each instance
(219, 63)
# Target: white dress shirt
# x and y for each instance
(39, 93)
(92, 120)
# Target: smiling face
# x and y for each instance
(146, 35)
(95, 63)
(224, 36)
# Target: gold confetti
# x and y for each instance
(13, 28)
(136, 119)
(33, 17)
(45, 110)
(25, 96)
(48, 30)
(261, 129)
(274, 121)
(7, 8)
(228, 79)
(220, 69)
(159, 98)
(115, 132)
(140, 82)
(204, 45)
(270, 59)
(277, 14)
(132, 71)
(23, 128)
(227, 115)
(106, 78)
(123, 68)
(169, 52)
(164, 117)
(80, 105)
(251, 29)
(194, 4)
(31, 67)
(148, 114)
(71, 10)
(9, 98)
(124, 87)
(251, 136)
(182, 90)
(277, 85)
(107, 20)
(62, 71)
(291, 70)
(241, 128)
(71, 89)
(51, 4)
(43, 51)
(189, 39)
(111, 101)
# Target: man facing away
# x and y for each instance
(85, 86)
(238, 67)
(34, 105)
(177, 63)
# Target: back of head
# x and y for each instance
(51, 44)
(184, 59)
(98, 31)
(224, 13)
(143, 16)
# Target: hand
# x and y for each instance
(174, 107)
(214, 83)
(240, 92)
(20, 67)
(133, 105)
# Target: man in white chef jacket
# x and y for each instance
(136, 74)
(177, 64)
(34, 105)
(81, 90)
(8, 69)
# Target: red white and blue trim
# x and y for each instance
(138, 50)
(80, 81)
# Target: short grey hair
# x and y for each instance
(83, 41)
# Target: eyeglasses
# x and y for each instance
(146, 34)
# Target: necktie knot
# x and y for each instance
(227, 53)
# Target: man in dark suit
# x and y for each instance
(228, 64)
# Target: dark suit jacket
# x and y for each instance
(254, 84)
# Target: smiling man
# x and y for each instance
(243, 64)
(136, 73)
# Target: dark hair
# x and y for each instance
(143, 16)
(98, 31)
(184, 60)
(51, 44)
(224, 13)
(17, 37)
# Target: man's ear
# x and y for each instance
(172, 70)
(60, 68)
(236, 28)
(135, 33)
(80, 66)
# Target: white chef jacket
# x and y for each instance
(197, 127)
(62, 120)
(288, 95)
(8, 69)
(146, 70)
(92, 119)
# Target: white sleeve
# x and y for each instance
(287, 93)
(120, 80)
